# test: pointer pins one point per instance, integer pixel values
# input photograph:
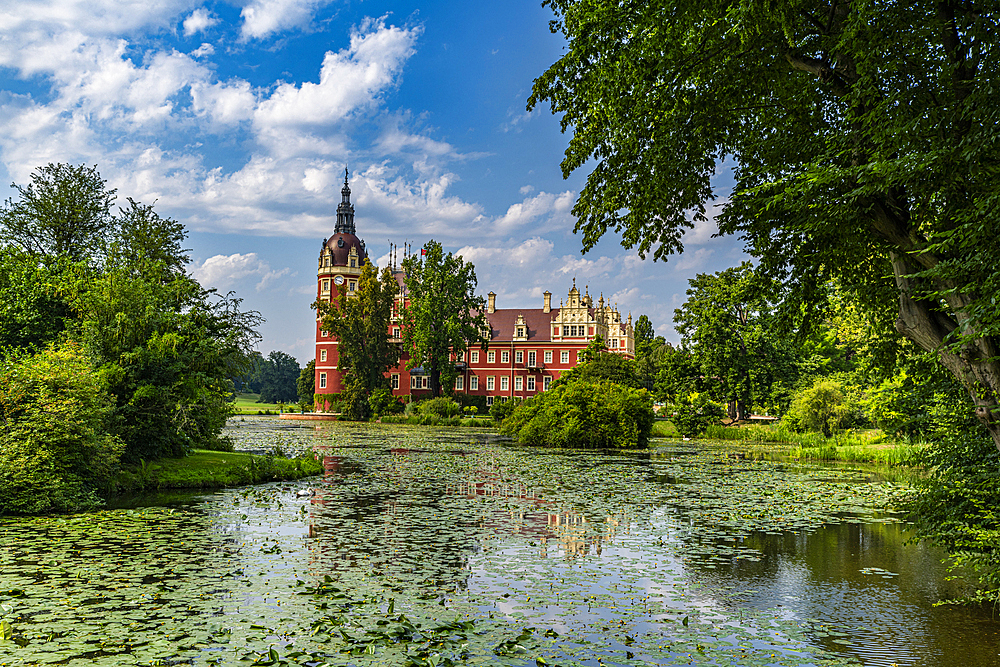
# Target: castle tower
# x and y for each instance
(340, 260)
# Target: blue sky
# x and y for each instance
(237, 119)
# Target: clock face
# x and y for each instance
(339, 280)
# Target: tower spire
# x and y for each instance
(345, 211)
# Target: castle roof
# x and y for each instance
(539, 323)
(340, 249)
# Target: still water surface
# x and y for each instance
(424, 547)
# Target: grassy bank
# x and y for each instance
(664, 429)
(435, 420)
(852, 447)
(205, 469)
(246, 404)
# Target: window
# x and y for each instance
(531, 358)
(520, 332)
(395, 332)
(353, 286)
(354, 263)
(518, 383)
(474, 357)
(505, 357)
(394, 381)
(322, 355)
(418, 382)
(519, 357)
(490, 383)
(565, 331)
(324, 334)
(322, 380)
(413, 382)
(459, 383)
(564, 357)
(326, 261)
(548, 356)
(614, 342)
(504, 384)
(546, 383)
(491, 357)
(326, 285)
(531, 383)
(474, 383)
(489, 401)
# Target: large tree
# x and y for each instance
(360, 323)
(63, 213)
(726, 323)
(279, 378)
(444, 316)
(863, 138)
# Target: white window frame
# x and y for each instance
(518, 383)
(504, 383)
(490, 383)
(491, 357)
(505, 357)
(519, 357)
(531, 383)
(564, 357)
(395, 332)
(322, 355)
(532, 358)
(459, 383)
(474, 357)
(394, 381)
(546, 383)
(322, 380)
(548, 356)
(489, 401)
(473, 383)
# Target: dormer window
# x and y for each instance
(520, 332)
(354, 263)
(326, 261)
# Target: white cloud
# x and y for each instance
(262, 18)
(554, 208)
(224, 271)
(690, 262)
(199, 21)
(204, 50)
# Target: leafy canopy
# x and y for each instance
(443, 316)
(863, 138)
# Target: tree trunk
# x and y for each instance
(975, 362)
(435, 382)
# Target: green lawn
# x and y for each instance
(204, 469)
(246, 404)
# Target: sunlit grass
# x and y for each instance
(246, 404)
(204, 469)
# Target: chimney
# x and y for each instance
(547, 307)
(492, 304)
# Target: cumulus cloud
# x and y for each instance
(262, 18)
(200, 20)
(223, 272)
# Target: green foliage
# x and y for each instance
(583, 414)
(864, 149)
(693, 414)
(500, 410)
(727, 325)
(279, 378)
(382, 403)
(360, 323)
(354, 400)
(444, 316)
(64, 213)
(822, 407)
(55, 449)
(306, 384)
(440, 406)
(644, 337)
(600, 365)
(33, 306)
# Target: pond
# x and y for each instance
(436, 547)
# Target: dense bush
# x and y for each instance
(583, 414)
(440, 406)
(822, 407)
(695, 413)
(502, 409)
(55, 448)
(382, 403)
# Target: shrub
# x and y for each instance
(502, 409)
(692, 416)
(821, 407)
(55, 447)
(440, 406)
(382, 403)
(583, 414)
